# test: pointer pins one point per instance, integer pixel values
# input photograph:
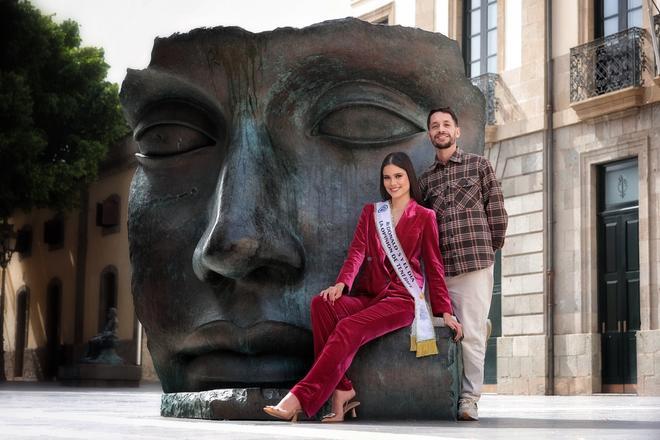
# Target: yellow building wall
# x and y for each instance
(35, 272)
(108, 250)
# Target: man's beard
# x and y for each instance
(444, 145)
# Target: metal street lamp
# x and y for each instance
(7, 247)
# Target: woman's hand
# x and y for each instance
(457, 328)
(333, 293)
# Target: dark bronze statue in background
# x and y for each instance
(102, 348)
(256, 154)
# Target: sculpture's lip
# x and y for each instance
(266, 337)
(220, 354)
(226, 369)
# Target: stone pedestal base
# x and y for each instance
(391, 383)
(222, 404)
(100, 375)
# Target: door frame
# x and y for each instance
(22, 329)
(591, 156)
(53, 328)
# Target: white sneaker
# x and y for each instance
(467, 410)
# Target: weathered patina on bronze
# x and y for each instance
(256, 154)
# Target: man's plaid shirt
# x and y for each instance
(469, 207)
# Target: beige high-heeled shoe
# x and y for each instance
(274, 411)
(348, 407)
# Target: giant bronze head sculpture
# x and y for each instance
(256, 153)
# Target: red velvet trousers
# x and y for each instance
(339, 330)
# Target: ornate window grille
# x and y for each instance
(487, 83)
(608, 64)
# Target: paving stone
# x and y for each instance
(50, 411)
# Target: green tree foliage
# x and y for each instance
(58, 115)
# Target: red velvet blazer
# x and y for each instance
(417, 232)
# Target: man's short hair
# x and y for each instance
(447, 110)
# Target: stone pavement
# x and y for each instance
(37, 410)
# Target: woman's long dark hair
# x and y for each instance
(401, 160)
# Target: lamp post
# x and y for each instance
(7, 247)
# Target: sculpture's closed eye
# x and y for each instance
(172, 128)
(365, 114)
(164, 140)
(365, 125)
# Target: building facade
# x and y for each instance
(573, 111)
(574, 134)
(68, 270)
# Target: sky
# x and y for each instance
(126, 29)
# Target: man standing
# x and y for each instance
(464, 193)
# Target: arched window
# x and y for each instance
(22, 320)
(107, 294)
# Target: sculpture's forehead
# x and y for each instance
(231, 69)
(348, 50)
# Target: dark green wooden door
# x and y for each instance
(495, 316)
(618, 296)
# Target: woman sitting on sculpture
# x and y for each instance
(390, 239)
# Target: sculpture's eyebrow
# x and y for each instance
(321, 72)
(144, 89)
(318, 84)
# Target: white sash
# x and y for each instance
(422, 336)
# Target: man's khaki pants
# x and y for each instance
(470, 295)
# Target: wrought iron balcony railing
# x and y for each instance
(608, 64)
(487, 83)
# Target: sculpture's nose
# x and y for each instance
(251, 232)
